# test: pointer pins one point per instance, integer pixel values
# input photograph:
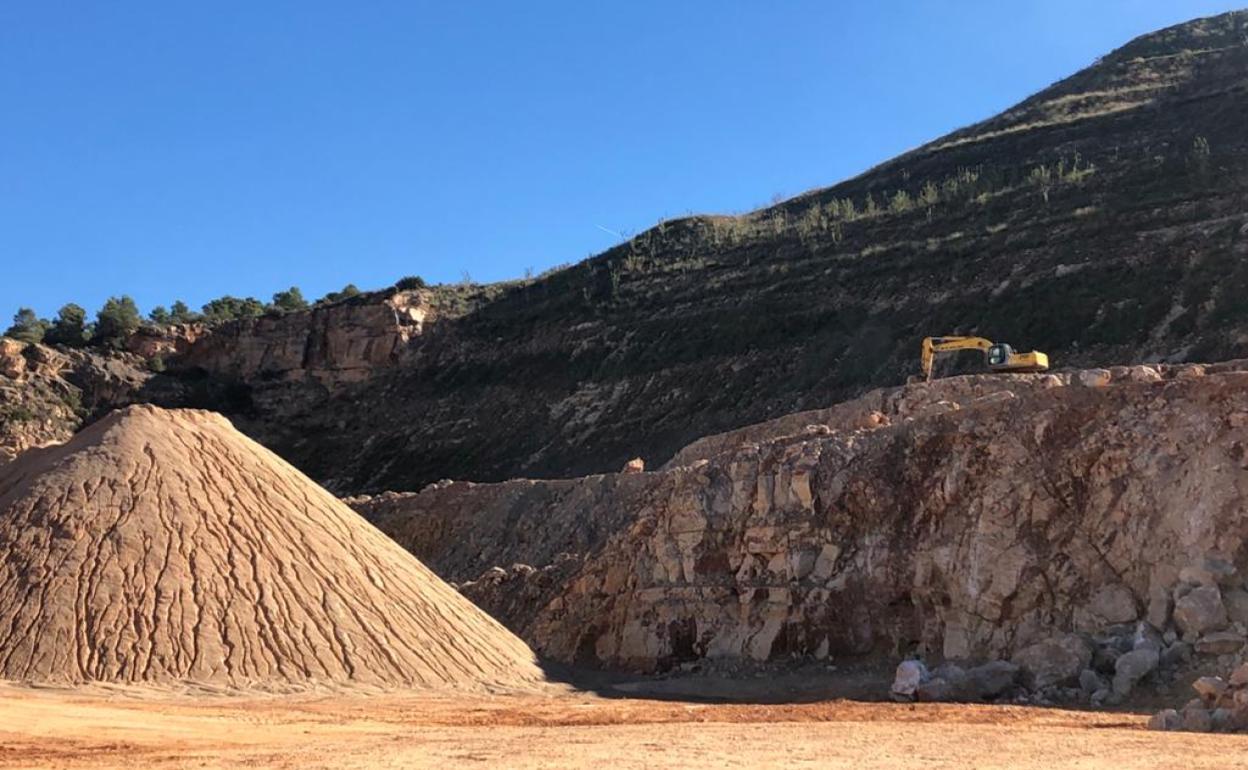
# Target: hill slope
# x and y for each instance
(1101, 220)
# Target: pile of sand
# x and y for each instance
(164, 546)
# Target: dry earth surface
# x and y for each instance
(49, 728)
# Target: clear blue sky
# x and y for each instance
(193, 149)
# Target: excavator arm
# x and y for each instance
(997, 355)
(934, 345)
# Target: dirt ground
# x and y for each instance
(49, 728)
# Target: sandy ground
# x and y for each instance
(45, 728)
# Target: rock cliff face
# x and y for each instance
(966, 519)
(256, 370)
(337, 344)
(46, 393)
(1101, 220)
(148, 342)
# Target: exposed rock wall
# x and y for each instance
(335, 344)
(255, 370)
(1043, 503)
(148, 342)
(486, 538)
(46, 393)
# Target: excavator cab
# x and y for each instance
(999, 354)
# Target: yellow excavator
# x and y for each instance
(998, 356)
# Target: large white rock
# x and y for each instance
(906, 681)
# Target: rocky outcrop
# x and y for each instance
(13, 363)
(151, 341)
(46, 393)
(1045, 505)
(510, 547)
(340, 343)
(881, 407)
(255, 370)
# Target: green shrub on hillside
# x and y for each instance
(229, 308)
(27, 326)
(70, 327)
(291, 299)
(347, 292)
(410, 283)
(115, 322)
(179, 313)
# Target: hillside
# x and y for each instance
(1101, 220)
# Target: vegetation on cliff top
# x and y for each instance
(120, 317)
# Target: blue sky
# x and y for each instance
(189, 150)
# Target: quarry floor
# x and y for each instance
(50, 728)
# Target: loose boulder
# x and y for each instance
(1133, 666)
(1055, 661)
(948, 682)
(1210, 688)
(1197, 719)
(1239, 677)
(1236, 602)
(1199, 611)
(992, 679)
(1167, 719)
(1091, 682)
(909, 676)
(1220, 643)
(1114, 603)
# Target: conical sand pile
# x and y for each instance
(164, 546)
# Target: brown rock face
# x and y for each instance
(163, 546)
(12, 362)
(46, 393)
(970, 531)
(149, 341)
(337, 344)
(470, 528)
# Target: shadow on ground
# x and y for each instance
(763, 684)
